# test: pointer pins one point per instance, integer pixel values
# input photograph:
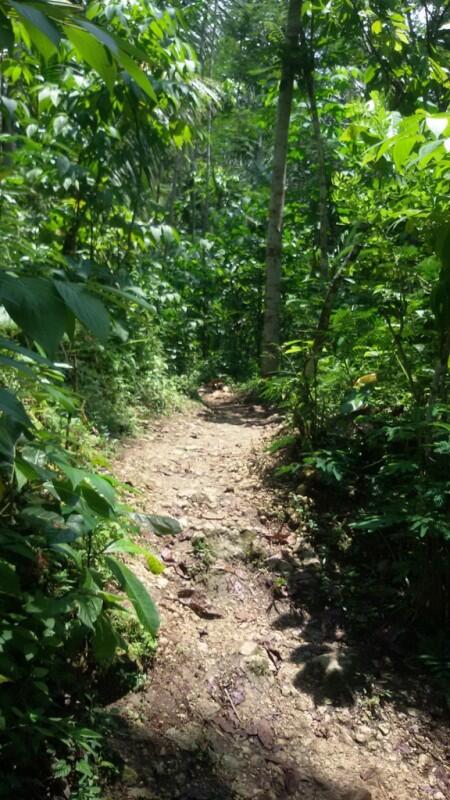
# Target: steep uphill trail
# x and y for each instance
(227, 712)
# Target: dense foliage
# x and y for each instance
(83, 127)
(135, 186)
(364, 318)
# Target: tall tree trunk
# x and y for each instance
(310, 86)
(272, 302)
(206, 203)
(324, 217)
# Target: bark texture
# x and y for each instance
(272, 302)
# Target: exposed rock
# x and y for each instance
(363, 734)
(188, 738)
(249, 648)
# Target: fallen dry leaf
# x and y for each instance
(198, 603)
(167, 556)
(265, 734)
(292, 778)
(225, 724)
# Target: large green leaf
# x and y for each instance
(89, 602)
(38, 21)
(144, 606)
(94, 54)
(88, 309)
(101, 35)
(127, 546)
(29, 355)
(106, 639)
(36, 307)
(137, 74)
(102, 487)
(13, 408)
(10, 433)
(161, 525)
(89, 607)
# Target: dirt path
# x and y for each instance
(226, 713)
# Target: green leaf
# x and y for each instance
(102, 487)
(94, 54)
(89, 608)
(137, 74)
(89, 602)
(95, 32)
(35, 306)
(143, 604)
(10, 433)
(38, 20)
(402, 149)
(129, 294)
(88, 309)
(127, 546)
(155, 566)
(41, 42)
(106, 640)
(353, 403)
(19, 366)
(161, 525)
(9, 582)
(13, 408)
(8, 344)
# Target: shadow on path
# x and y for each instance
(216, 766)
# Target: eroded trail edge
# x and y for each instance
(225, 712)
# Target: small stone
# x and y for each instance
(287, 690)
(249, 648)
(412, 712)
(363, 734)
(423, 760)
(384, 728)
(438, 796)
(303, 702)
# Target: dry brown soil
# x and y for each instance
(251, 696)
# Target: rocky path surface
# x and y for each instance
(228, 711)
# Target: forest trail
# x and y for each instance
(225, 713)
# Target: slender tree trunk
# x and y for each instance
(323, 324)
(324, 216)
(206, 203)
(173, 193)
(437, 389)
(272, 302)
